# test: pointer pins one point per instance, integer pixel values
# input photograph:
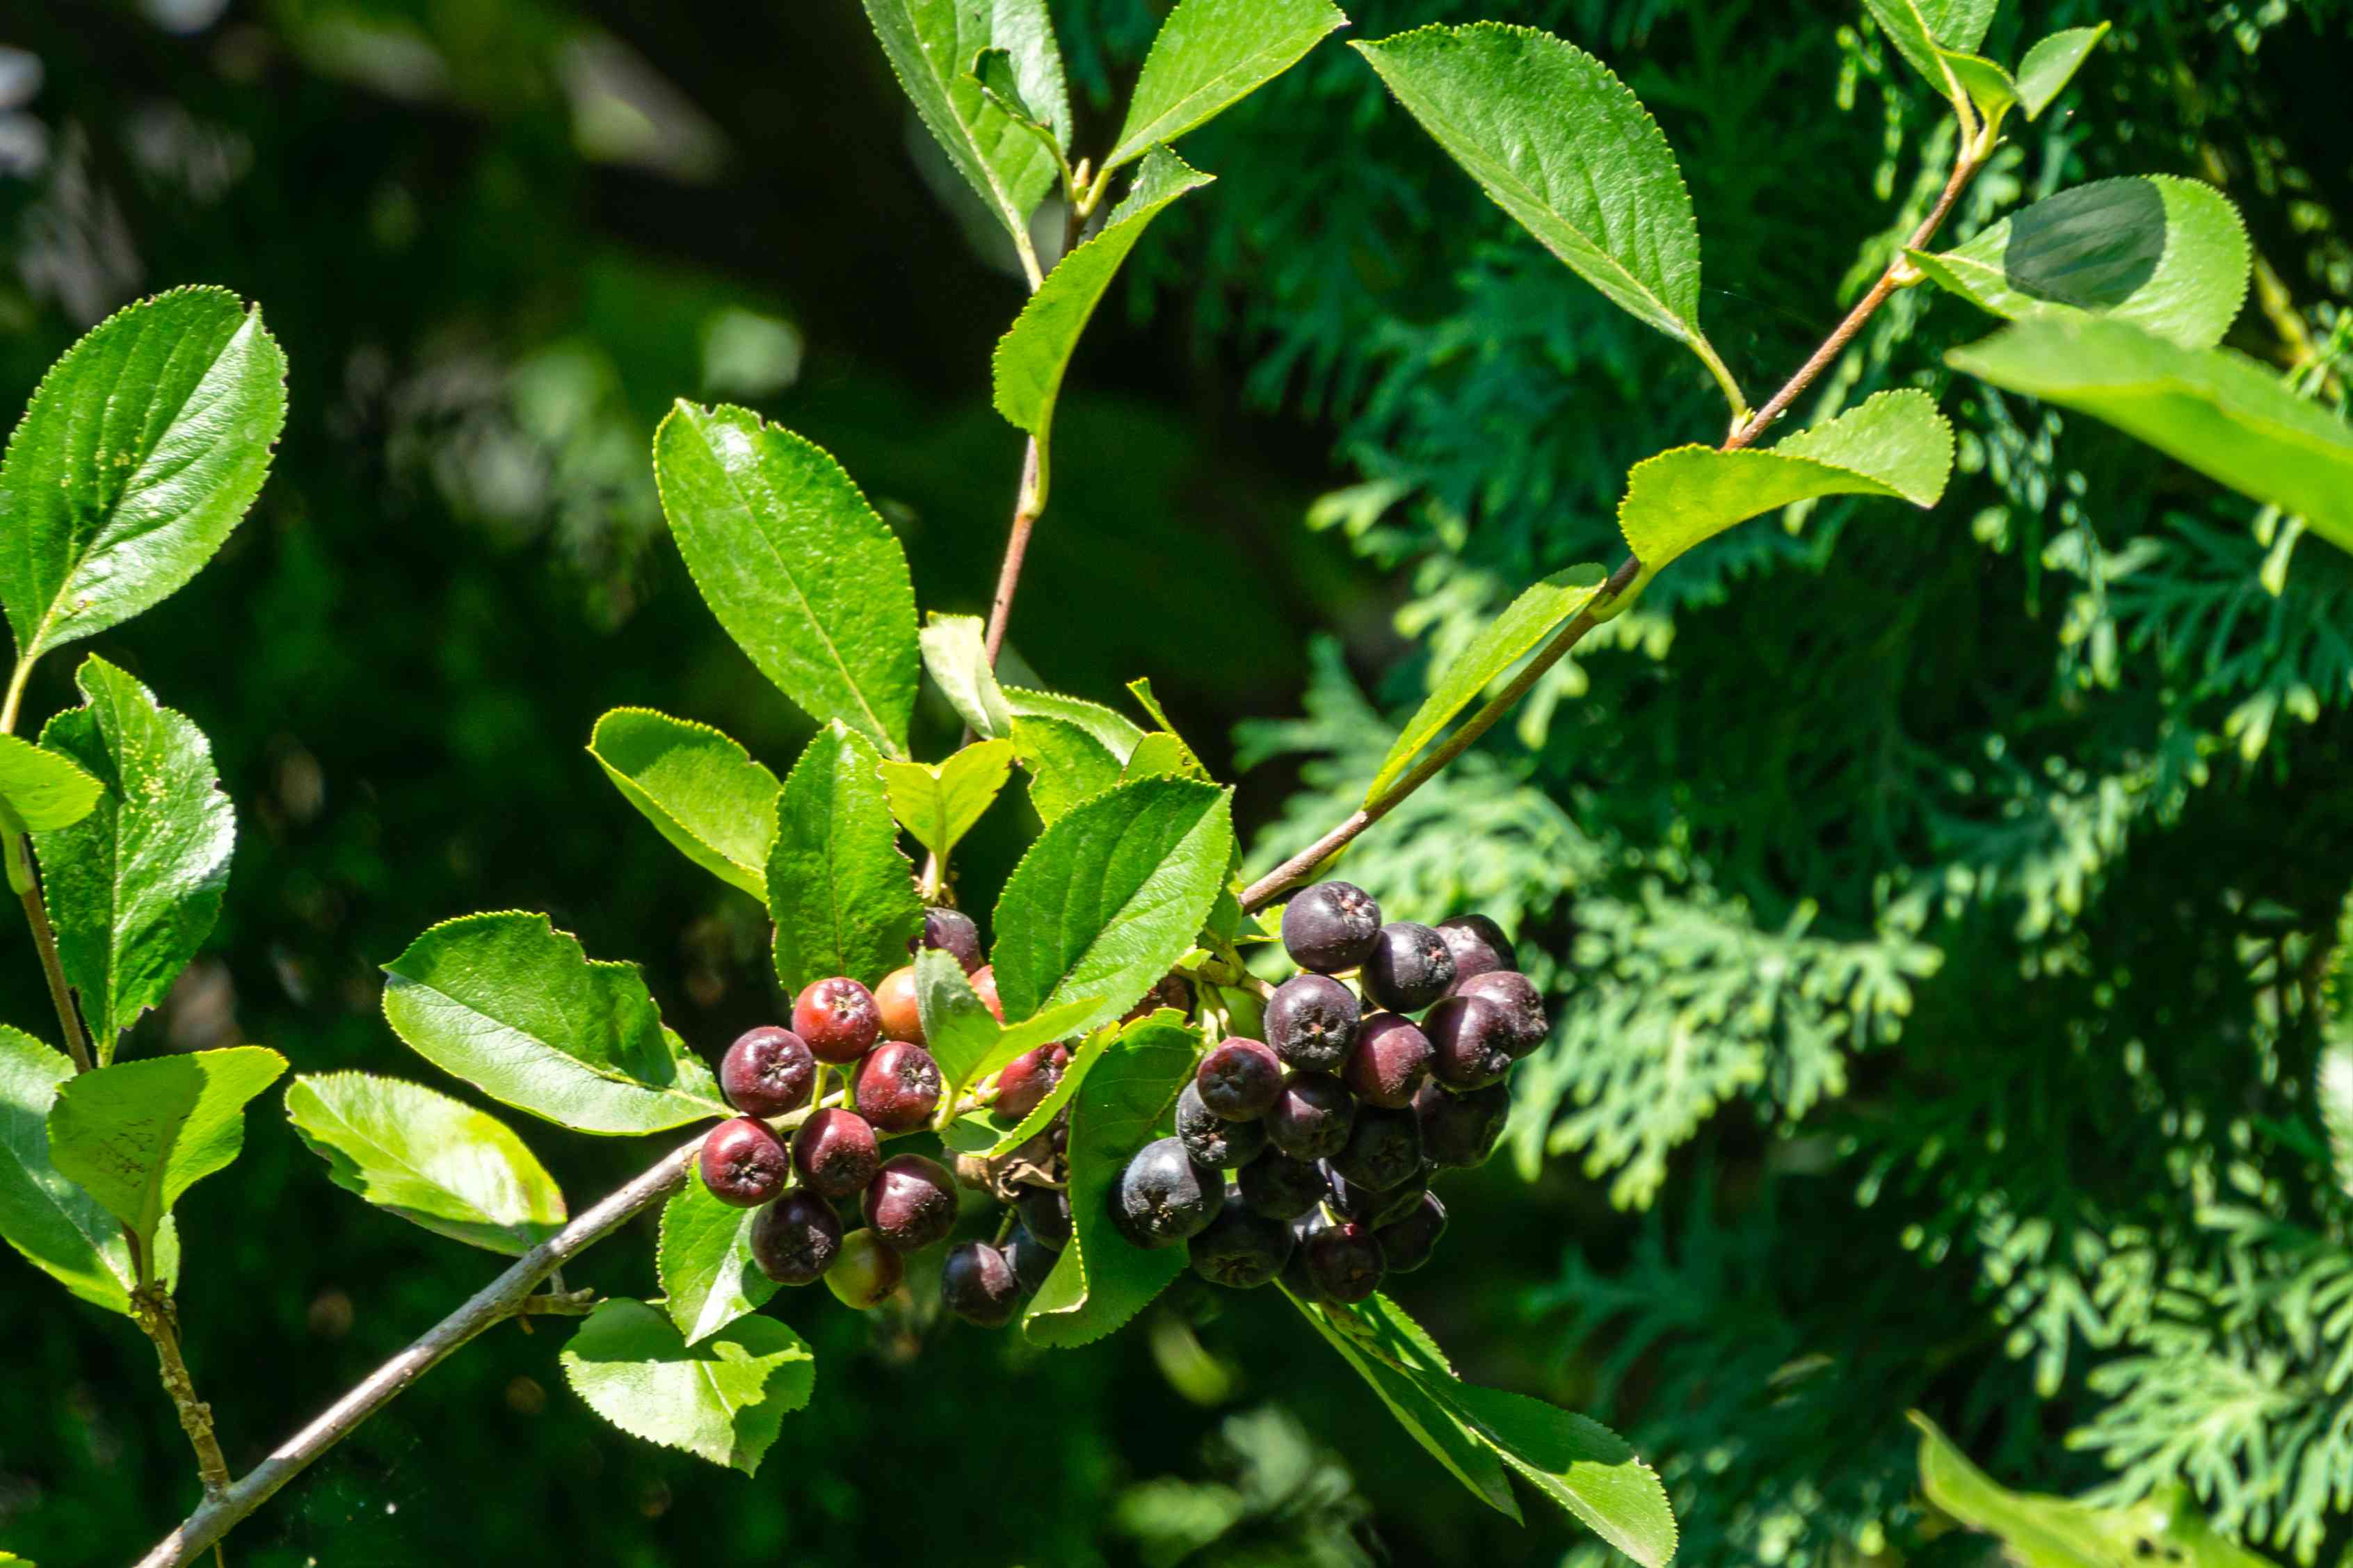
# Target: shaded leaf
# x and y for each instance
(1578, 1463)
(708, 1278)
(60, 1228)
(842, 894)
(699, 789)
(724, 1400)
(956, 652)
(1208, 56)
(939, 804)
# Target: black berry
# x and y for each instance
(1384, 1149)
(836, 1153)
(1342, 1260)
(1410, 967)
(1479, 946)
(1240, 1081)
(864, 1272)
(952, 932)
(1460, 1131)
(1312, 1119)
(1028, 1078)
(1046, 1214)
(1163, 1199)
(1467, 1039)
(1240, 1250)
(1031, 1259)
(1330, 927)
(1294, 1277)
(1310, 1020)
(909, 1203)
(838, 1018)
(1515, 997)
(1379, 1208)
(977, 1285)
(1280, 1187)
(898, 1087)
(767, 1072)
(1408, 1240)
(743, 1163)
(1210, 1138)
(796, 1238)
(1389, 1060)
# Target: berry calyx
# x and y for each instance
(795, 1239)
(1388, 1062)
(1410, 968)
(1280, 1187)
(1210, 1138)
(909, 1203)
(1045, 1215)
(1467, 1040)
(864, 1272)
(839, 1019)
(898, 1087)
(1330, 927)
(1479, 946)
(977, 1285)
(1310, 1021)
(768, 1071)
(1028, 1078)
(1384, 1148)
(1460, 1130)
(1312, 1119)
(950, 931)
(1163, 1199)
(1240, 1250)
(1515, 997)
(1342, 1260)
(743, 1163)
(836, 1153)
(901, 1017)
(1408, 1240)
(1240, 1081)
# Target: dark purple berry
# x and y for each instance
(1028, 1078)
(795, 1239)
(898, 1087)
(1389, 1060)
(1479, 946)
(1313, 1118)
(952, 932)
(1031, 1259)
(1460, 1131)
(1384, 1149)
(1240, 1250)
(836, 1153)
(977, 1285)
(743, 1163)
(1294, 1276)
(909, 1203)
(1374, 1208)
(1342, 1260)
(1408, 1240)
(864, 1272)
(1330, 927)
(1280, 1187)
(1410, 967)
(838, 1018)
(1163, 1199)
(1213, 1141)
(1240, 1081)
(1046, 1214)
(1467, 1038)
(767, 1072)
(1310, 1020)
(1522, 1011)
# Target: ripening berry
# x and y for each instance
(795, 1239)
(1310, 1021)
(898, 1087)
(1280, 1187)
(1213, 1141)
(1240, 1081)
(1374, 1208)
(838, 1018)
(950, 931)
(1240, 1250)
(1408, 1239)
(977, 1284)
(864, 1272)
(1467, 1041)
(1342, 1260)
(1031, 1259)
(1479, 946)
(1045, 1215)
(1384, 1148)
(1460, 1131)
(743, 1163)
(984, 985)
(1028, 1078)
(1330, 927)
(1389, 1061)
(1162, 1197)
(1410, 967)
(768, 1071)
(1169, 991)
(1312, 1119)
(909, 1203)
(1295, 1278)
(900, 1017)
(836, 1153)
(1515, 997)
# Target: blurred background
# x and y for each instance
(1935, 904)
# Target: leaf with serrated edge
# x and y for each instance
(59, 1227)
(938, 804)
(798, 569)
(433, 1161)
(1920, 29)
(1576, 1461)
(704, 1259)
(840, 890)
(1174, 756)
(2051, 64)
(965, 1038)
(2226, 416)
(725, 1400)
(516, 1008)
(1114, 730)
(1102, 1280)
(42, 791)
(1065, 763)
(1895, 445)
(1989, 86)
(956, 654)
(1209, 55)
(137, 457)
(701, 790)
(1505, 640)
(2170, 256)
(1082, 1061)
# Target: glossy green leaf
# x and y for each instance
(1893, 445)
(939, 804)
(965, 1038)
(794, 563)
(1508, 639)
(2224, 416)
(59, 1227)
(136, 1135)
(1578, 1463)
(955, 652)
(1031, 358)
(842, 894)
(41, 791)
(1208, 56)
(701, 790)
(1000, 84)
(432, 1160)
(1065, 763)
(1088, 1052)
(1988, 85)
(1114, 730)
(2168, 255)
(1101, 1280)
(139, 454)
(724, 1400)
(135, 886)
(2051, 64)
(514, 1008)
(708, 1276)
(1110, 895)
(1920, 29)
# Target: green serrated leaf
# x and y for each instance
(796, 565)
(516, 1008)
(60, 1228)
(1032, 356)
(965, 1038)
(133, 888)
(1508, 639)
(138, 1134)
(1895, 445)
(432, 1160)
(842, 894)
(1989, 86)
(1920, 29)
(724, 1400)
(138, 455)
(42, 791)
(1082, 1061)
(1110, 895)
(2224, 416)
(1000, 84)
(955, 652)
(1112, 730)
(708, 1276)
(1065, 763)
(701, 790)
(939, 804)
(1576, 1461)
(1208, 56)
(1163, 751)
(2051, 64)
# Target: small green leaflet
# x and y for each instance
(708, 1276)
(135, 885)
(842, 894)
(724, 1400)
(2168, 255)
(1031, 357)
(514, 1006)
(1000, 84)
(1895, 445)
(796, 565)
(701, 790)
(432, 1160)
(1209, 55)
(60, 1228)
(1150, 1030)
(1112, 730)
(1102, 1280)
(139, 454)
(939, 804)
(1922, 30)
(2041, 77)
(2226, 416)
(1170, 755)
(956, 654)
(1065, 763)
(1508, 639)
(138, 1134)
(41, 791)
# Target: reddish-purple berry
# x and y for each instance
(1240, 1081)
(950, 931)
(1467, 1039)
(836, 1153)
(977, 1284)
(1460, 1131)
(1280, 1187)
(1410, 968)
(838, 1018)
(1374, 1208)
(1162, 1197)
(1384, 1148)
(796, 1238)
(1240, 1250)
(1212, 1140)
(1409, 1238)
(909, 1203)
(898, 1087)
(1312, 1119)
(1330, 927)
(767, 1072)
(1513, 996)
(743, 1163)
(1388, 1062)
(1342, 1260)
(1310, 1020)
(1028, 1078)
(1479, 946)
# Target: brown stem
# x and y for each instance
(161, 1321)
(1017, 549)
(44, 941)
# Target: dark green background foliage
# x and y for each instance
(1933, 899)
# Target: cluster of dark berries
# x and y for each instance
(1332, 1127)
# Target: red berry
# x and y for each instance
(1389, 1061)
(1028, 1078)
(743, 1163)
(894, 1000)
(977, 1284)
(838, 1018)
(898, 1087)
(767, 1072)
(836, 1153)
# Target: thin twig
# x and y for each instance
(1016, 550)
(161, 1321)
(44, 941)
